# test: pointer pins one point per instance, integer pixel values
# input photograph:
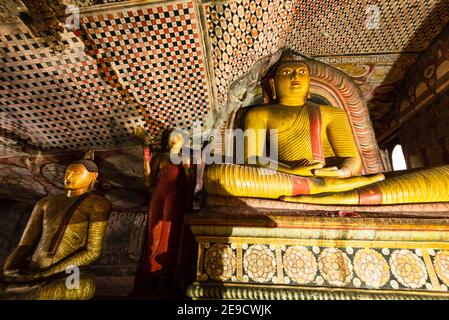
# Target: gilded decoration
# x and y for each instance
(300, 264)
(220, 262)
(259, 263)
(371, 267)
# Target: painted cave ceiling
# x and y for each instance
(168, 63)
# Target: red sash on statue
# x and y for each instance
(67, 215)
(316, 124)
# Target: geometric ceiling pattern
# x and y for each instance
(53, 102)
(134, 67)
(164, 65)
(157, 56)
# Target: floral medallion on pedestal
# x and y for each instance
(300, 264)
(408, 268)
(442, 266)
(371, 267)
(259, 263)
(335, 266)
(220, 262)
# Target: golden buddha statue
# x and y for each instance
(307, 135)
(63, 231)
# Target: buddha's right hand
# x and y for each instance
(350, 167)
(21, 275)
(12, 276)
(11, 273)
(332, 172)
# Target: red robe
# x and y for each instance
(165, 218)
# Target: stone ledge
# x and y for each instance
(300, 254)
(243, 205)
(200, 290)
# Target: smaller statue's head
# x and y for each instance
(176, 140)
(80, 176)
(291, 80)
(172, 140)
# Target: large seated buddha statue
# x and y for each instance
(64, 233)
(307, 135)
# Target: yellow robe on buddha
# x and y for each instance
(317, 133)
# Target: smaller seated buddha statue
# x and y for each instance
(64, 231)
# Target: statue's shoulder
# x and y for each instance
(94, 195)
(261, 109)
(51, 198)
(330, 109)
(332, 113)
(99, 203)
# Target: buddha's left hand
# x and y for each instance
(333, 172)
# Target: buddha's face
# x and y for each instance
(292, 80)
(77, 177)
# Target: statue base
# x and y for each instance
(262, 249)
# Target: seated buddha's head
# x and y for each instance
(80, 176)
(291, 81)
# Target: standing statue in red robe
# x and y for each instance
(169, 201)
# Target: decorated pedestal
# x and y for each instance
(263, 249)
